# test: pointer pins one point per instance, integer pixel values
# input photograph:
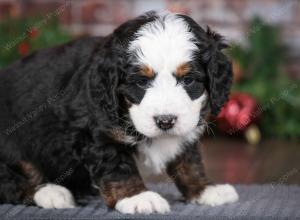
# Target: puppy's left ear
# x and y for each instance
(219, 70)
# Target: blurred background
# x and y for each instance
(255, 139)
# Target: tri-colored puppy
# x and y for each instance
(85, 116)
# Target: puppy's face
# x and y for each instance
(166, 86)
(169, 100)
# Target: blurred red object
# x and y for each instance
(238, 113)
(23, 49)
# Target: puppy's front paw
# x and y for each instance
(143, 203)
(217, 195)
(54, 196)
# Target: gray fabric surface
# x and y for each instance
(256, 202)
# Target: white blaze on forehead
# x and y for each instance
(164, 43)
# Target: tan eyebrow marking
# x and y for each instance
(183, 69)
(147, 71)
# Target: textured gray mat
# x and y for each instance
(256, 202)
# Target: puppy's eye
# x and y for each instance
(143, 83)
(187, 81)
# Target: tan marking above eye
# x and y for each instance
(147, 71)
(183, 69)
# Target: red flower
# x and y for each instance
(23, 48)
(238, 113)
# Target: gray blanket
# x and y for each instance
(256, 202)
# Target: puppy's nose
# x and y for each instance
(165, 122)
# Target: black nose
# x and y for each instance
(165, 122)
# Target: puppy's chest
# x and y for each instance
(153, 156)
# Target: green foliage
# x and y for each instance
(261, 62)
(14, 32)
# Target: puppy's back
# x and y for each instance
(29, 82)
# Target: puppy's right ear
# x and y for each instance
(104, 76)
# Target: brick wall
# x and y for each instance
(229, 17)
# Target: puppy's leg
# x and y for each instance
(130, 196)
(187, 171)
(53, 196)
(122, 188)
(43, 195)
(18, 184)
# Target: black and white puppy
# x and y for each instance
(87, 114)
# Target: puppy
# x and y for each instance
(79, 118)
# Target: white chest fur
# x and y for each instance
(154, 155)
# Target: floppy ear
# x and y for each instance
(218, 67)
(104, 77)
(219, 72)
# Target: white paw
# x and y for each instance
(54, 196)
(217, 195)
(143, 203)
